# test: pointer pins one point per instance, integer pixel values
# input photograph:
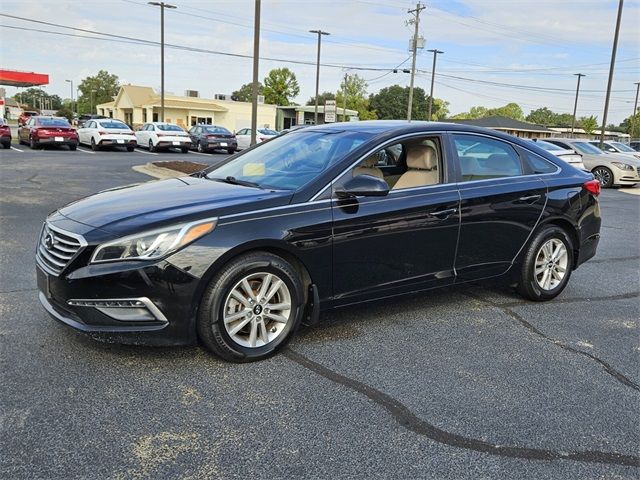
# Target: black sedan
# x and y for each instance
(208, 138)
(240, 254)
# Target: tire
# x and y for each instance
(199, 148)
(231, 151)
(538, 257)
(6, 146)
(217, 301)
(73, 148)
(151, 147)
(33, 144)
(604, 175)
(130, 149)
(94, 145)
(184, 149)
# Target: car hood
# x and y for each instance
(139, 207)
(621, 157)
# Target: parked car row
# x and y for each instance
(5, 134)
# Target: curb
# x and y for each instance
(157, 172)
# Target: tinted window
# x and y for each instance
(537, 164)
(482, 158)
(53, 122)
(290, 161)
(218, 130)
(118, 125)
(548, 146)
(584, 147)
(267, 131)
(169, 128)
(622, 147)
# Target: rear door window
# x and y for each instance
(482, 158)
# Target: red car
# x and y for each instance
(5, 135)
(25, 116)
(40, 131)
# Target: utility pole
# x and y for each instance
(414, 48)
(433, 75)
(92, 101)
(72, 102)
(635, 110)
(319, 33)
(611, 67)
(344, 98)
(575, 105)
(256, 61)
(162, 6)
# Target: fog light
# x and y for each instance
(123, 309)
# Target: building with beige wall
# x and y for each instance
(136, 105)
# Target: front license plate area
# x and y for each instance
(43, 282)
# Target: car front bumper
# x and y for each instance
(148, 305)
(626, 177)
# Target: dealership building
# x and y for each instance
(136, 105)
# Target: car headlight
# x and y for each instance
(154, 244)
(622, 166)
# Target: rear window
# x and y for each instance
(169, 128)
(218, 130)
(53, 122)
(548, 146)
(267, 131)
(118, 125)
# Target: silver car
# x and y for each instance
(609, 168)
(616, 147)
(567, 154)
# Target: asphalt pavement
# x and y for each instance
(463, 383)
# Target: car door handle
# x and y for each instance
(529, 199)
(443, 214)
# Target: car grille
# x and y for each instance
(56, 248)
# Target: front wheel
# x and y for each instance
(547, 264)
(251, 308)
(604, 176)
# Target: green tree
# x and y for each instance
(280, 85)
(36, 98)
(440, 109)
(589, 124)
(625, 126)
(65, 112)
(324, 96)
(356, 90)
(510, 110)
(391, 103)
(541, 116)
(95, 90)
(245, 92)
(563, 120)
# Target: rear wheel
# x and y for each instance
(231, 151)
(151, 147)
(604, 176)
(6, 145)
(94, 146)
(184, 149)
(32, 143)
(199, 147)
(73, 147)
(130, 149)
(547, 264)
(251, 308)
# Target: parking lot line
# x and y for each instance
(86, 151)
(198, 153)
(16, 149)
(146, 153)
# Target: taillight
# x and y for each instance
(262, 139)
(101, 132)
(593, 187)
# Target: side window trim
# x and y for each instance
(513, 146)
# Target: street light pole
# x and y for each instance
(344, 98)
(162, 6)
(72, 102)
(256, 60)
(611, 67)
(414, 45)
(635, 110)
(319, 33)
(433, 75)
(575, 105)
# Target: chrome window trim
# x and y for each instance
(375, 149)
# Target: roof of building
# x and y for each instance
(137, 94)
(502, 123)
(186, 102)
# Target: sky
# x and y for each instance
(496, 51)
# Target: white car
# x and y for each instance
(572, 158)
(161, 135)
(106, 132)
(609, 168)
(243, 136)
(616, 147)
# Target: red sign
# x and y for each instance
(15, 78)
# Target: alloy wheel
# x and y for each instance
(200, 149)
(603, 175)
(257, 310)
(551, 264)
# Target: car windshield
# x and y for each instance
(622, 147)
(267, 131)
(584, 147)
(117, 125)
(219, 130)
(169, 128)
(53, 122)
(290, 161)
(548, 146)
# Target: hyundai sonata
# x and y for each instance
(239, 255)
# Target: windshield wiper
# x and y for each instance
(235, 181)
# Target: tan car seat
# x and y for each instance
(422, 164)
(368, 167)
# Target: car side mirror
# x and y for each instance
(363, 186)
